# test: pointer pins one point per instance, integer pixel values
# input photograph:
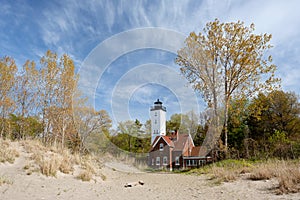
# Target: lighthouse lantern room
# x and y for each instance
(158, 120)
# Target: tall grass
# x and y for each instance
(226, 170)
(7, 152)
(286, 172)
(52, 159)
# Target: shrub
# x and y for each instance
(85, 175)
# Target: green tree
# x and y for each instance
(227, 60)
(178, 122)
(129, 130)
(24, 127)
(276, 112)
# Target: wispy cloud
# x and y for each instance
(89, 32)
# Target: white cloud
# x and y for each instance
(75, 27)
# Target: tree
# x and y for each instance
(227, 60)
(89, 122)
(27, 92)
(48, 83)
(129, 129)
(8, 70)
(179, 122)
(147, 127)
(67, 88)
(57, 88)
(130, 137)
(24, 127)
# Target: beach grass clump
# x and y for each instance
(4, 180)
(7, 152)
(85, 175)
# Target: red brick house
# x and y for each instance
(176, 151)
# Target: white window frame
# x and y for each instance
(188, 163)
(165, 160)
(158, 160)
(161, 146)
(177, 160)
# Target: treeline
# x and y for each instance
(42, 100)
(266, 126)
(259, 128)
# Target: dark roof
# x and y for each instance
(180, 142)
(165, 138)
(195, 151)
(177, 143)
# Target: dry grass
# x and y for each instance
(263, 171)
(85, 175)
(52, 159)
(48, 160)
(4, 180)
(67, 162)
(223, 175)
(225, 171)
(32, 146)
(50, 166)
(7, 152)
(286, 172)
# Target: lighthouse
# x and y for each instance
(158, 120)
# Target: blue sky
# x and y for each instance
(125, 50)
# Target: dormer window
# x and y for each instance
(161, 146)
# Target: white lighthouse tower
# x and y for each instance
(158, 120)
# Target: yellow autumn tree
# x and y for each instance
(58, 85)
(48, 84)
(8, 70)
(26, 95)
(227, 60)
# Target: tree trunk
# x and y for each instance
(225, 125)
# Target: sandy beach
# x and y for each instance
(115, 175)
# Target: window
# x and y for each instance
(177, 160)
(193, 162)
(157, 160)
(188, 163)
(155, 114)
(161, 146)
(165, 159)
(152, 162)
(155, 121)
